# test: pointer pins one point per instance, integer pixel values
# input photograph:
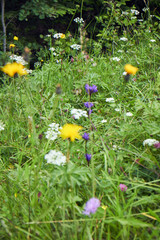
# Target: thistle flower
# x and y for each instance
(91, 206)
(123, 187)
(130, 69)
(70, 131)
(12, 68)
(91, 89)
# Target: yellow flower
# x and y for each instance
(15, 195)
(62, 35)
(130, 69)
(12, 68)
(70, 131)
(12, 45)
(104, 207)
(15, 38)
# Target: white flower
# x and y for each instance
(79, 20)
(145, 9)
(110, 100)
(117, 109)
(129, 114)
(77, 113)
(55, 157)
(134, 11)
(28, 70)
(123, 39)
(75, 46)
(58, 35)
(18, 59)
(140, 20)
(103, 121)
(124, 73)
(2, 125)
(149, 142)
(120, 51)
(125, 13)
(52, 49)
(116, 59)
(53, 131)
(152, 40)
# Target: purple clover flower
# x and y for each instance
(123, 187)
(157, 145)
(88, 104)
(91, 89)
(91, 206)
(85, 136)
(88, 157)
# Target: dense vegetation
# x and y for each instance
(79, 133)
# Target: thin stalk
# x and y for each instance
(3, 25)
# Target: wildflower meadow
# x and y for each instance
(80, 137)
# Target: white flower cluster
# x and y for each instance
(28, 70)
(77, 113)
(150, 142)
(104, 121)
(18, 59)
(52, 49)
(75, 46)
(134, 11)
(53, 131)
(111, 100)
(123, 39)
(58, 35)
(116, 59)
(55, 157)
(2, 125)
(152, 40)
(129, 114)
(145, 9)
(79, 20)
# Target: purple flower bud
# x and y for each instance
(88, 104)
(88, 157)
(91, 206)
(157, 145)
(123, 187)
(85, 136)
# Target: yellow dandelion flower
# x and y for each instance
(130, 69)
(15, 195)
(15, 38)
(62, 35)
(12, 68)
(70, 131)
(12, 45)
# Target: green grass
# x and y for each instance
(45, 201)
